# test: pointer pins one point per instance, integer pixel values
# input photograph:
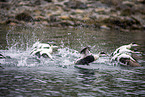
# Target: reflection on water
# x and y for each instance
(26, 76)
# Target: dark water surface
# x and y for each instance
(24, 76)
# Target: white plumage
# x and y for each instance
(42, 49)
(87, 57)
(125, 48)
(123, 55)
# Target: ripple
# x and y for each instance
(44, 77)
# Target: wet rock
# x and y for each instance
(97, 4)
(48, 0)
(64, 17)
(5, 5)
(85, 19)
(121, 7)
(12, 22)
(29, 3)
(127, 12)
(24, 16)
(79, 11)
(44, 22)
(102, 10)
(104, 27)
(139, 8)
(3, 0)
(128, 3)
(123, 22)
(112, 2)
(37, 2)
(76, 4)
(53, 18)
(141, 1)
(66, 23)
(37, 12)
(105, 14)
(39, 18)
(99, 9)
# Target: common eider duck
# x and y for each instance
(87, 57)
(42, 49)
(125, 48)
(125, 60)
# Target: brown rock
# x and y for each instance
(24, 16)
(76, 4)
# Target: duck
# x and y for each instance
(125, 48)
(125, 59)
(42, 50)
(87, 57)
(125, 56)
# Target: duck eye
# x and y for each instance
(133, 43)
(102, 53)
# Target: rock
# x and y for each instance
(139, 8)
(64, 17)
(5, 5)
(29, 2)
(99, 9)
(112, 2)
(97, 4)
(102, 10)
(66, 23)
(13, 24)
(127, 12)
(85, 18)
(48, 0)
(123, 22)
(3, 0)
(44, 22)
(11, 21)
(37, 2)
(37, 12)
(39, 18)
(24, 16)
(141, 1)
(128, 3)
(104, 27)
(104, 14)
(78, 11)
(121, 7)
(76, 4)
(53, 18)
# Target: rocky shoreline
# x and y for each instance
(105, 14)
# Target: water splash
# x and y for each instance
(62, 57)
(66, 56)
(20, 41)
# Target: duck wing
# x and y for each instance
(135, 56)
(85, 51)
(133, 64)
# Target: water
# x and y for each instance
(24, 76)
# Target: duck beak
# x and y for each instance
(54, 46)
(104, 55)
(136, 45)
